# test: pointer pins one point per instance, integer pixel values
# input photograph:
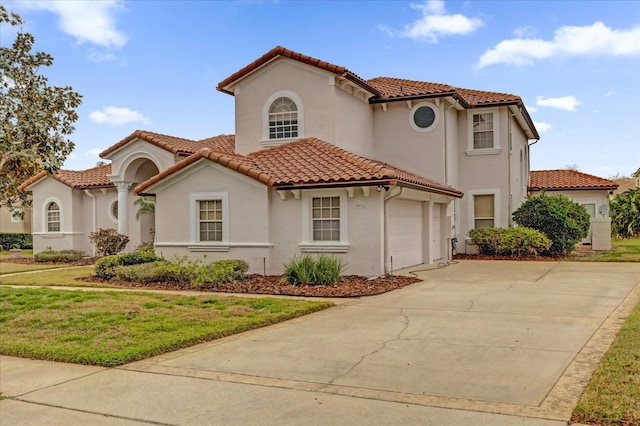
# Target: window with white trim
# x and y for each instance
(484, 210)
(283, 119)
(53, 217)
(210, 220)
(483, 131)
(325, 212)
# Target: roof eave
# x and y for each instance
(574, 188)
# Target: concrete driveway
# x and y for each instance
(501, 343)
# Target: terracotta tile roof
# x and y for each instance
(95, 177)
(398, 88)
(308, 163)
(281, 51)
(566, 179)
(175, 145)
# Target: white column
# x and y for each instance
(123, 206)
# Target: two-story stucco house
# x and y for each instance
(384, 173)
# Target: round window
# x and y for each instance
(424, 117)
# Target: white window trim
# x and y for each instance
(110, 211)
(436, 120)
(266, 142)
(496, 132)
(45, 228)
(194, 240)
(471, 224)
(308, 245)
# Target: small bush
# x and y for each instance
(108, 242)
(323, 270)
(221, 271)
(521, 242)
(143, 273)
(625, 214)
(20, 239)
(62, 256)
(565, 222)
(105, 267)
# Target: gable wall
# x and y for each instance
(397, 143)
(353, 123)
(139, 149)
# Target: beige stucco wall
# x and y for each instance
(70, 235)
(353, 122)
(138, 150)
(17, 225)
(396, 142)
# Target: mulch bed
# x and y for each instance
(348, 286)
(30, 261)
(464, 256)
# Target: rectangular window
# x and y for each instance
(210, 220)
(483, 131)
(326, 218)
(484, 210)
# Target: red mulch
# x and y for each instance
(348, 286)
(464, 256)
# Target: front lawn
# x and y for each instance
(621, 251)
(613, 395)
(54, 277)
(11, 268)
(114, 328)
(6, 254)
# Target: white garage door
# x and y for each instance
(436, 233)
(405, 233)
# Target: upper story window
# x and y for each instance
(483, 131)
(424, 117)
(283, 119)
(53, 217)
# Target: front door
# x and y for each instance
(591, 209)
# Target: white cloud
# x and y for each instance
(117, 116)
(436, 23)
(94, 152)
(609, 93)
(95, 56)
(568, 103)
(596, 39)
(86, 21)
(522, 32)
(532, 109)
(541, 126)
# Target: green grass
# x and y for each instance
(10, 268)
(613, 395)
(621, 251)
(54, 277)
(114, 328)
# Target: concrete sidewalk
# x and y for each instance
(500, 343)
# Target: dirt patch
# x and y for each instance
(348, 286)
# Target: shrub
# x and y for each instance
(565, 222)
(323, 270)
(625, 214)
(221, 271)
(184, 271)
(108, 242)
(521, 242)
(11, 239)
(105, 267)
(62, 256)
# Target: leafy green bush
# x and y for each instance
(181, 270)
(62, 256)
(108, 242)
(565, 222)
(11, 239)
(323, 270)
(625, 214)
(521, 242)
(105, 267)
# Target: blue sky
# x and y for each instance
(154, 65)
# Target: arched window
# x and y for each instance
(53, 217)
(283, 119)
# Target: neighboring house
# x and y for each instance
(627, 183)
(12, 222)
(590, 191)
(322, 160)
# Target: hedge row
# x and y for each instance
(10, 239)
(518, 241)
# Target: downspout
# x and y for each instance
(510, 202)
(93, 198)
(386, 226)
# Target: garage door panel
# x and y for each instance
(405, 233)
